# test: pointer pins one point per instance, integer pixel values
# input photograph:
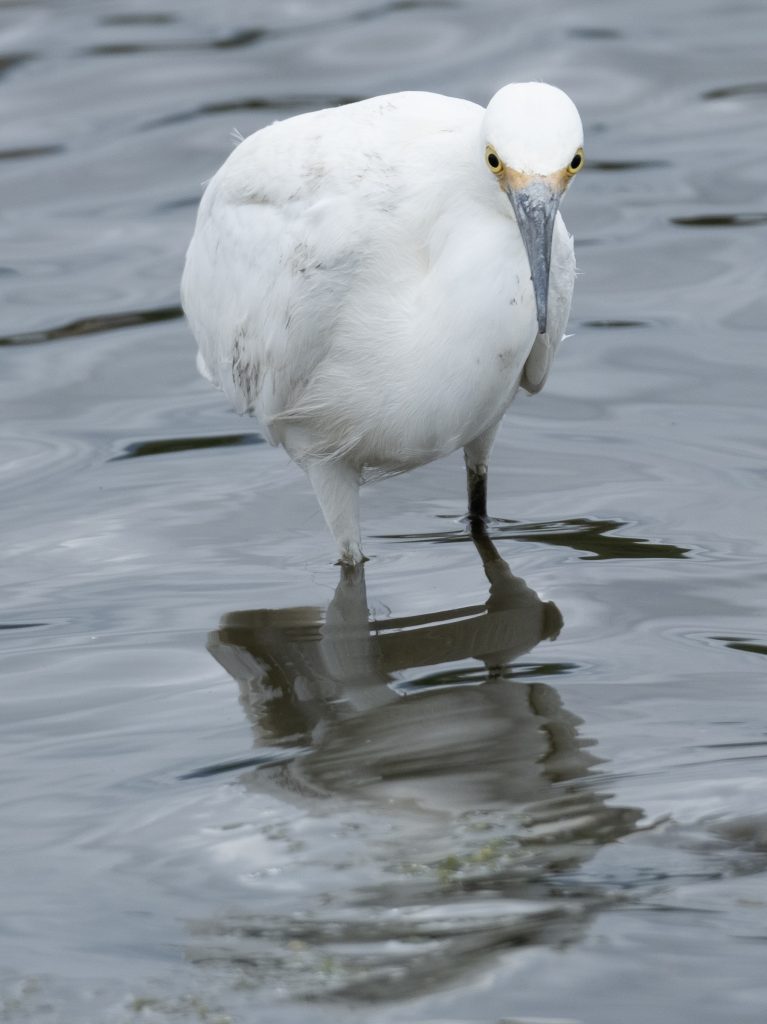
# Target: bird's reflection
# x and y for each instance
(331, 684)
(429, 718)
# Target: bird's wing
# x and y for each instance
(284, 232)
(561, 283)
(252, 273)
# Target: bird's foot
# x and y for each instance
(482, 523)
(351, 556)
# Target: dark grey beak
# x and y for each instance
(535, 207)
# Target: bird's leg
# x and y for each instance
(476, 485)
(337, 486)
(476, 455)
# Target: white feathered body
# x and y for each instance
(353, 283)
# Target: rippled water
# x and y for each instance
(507, 778)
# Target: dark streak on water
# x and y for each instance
(734, 91)
(627, 165)
(173, 445)
(22, 625)
(138, 19)
(246, 37)
(238, 39)
(266, 760)
(737, 644)
(25, 152)
(9, 61)
(292, 104)
(722, 220)
(94, 325)
(594, 32)
(615, 324)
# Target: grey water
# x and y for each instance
(518, 777)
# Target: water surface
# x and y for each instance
(515, 777)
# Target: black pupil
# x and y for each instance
(575, 163)
(493, 160)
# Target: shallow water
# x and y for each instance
(521, 779)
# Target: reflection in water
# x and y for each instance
(593, 536)
(484, 789)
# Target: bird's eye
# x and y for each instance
(576, 163)
(494, 162)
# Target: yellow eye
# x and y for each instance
(577, 162)
(493, 161)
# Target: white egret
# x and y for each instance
(375, 282)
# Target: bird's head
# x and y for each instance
(533, 140)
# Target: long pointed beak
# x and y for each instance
(535, 206)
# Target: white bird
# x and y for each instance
(374, 282)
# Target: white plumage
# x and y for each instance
(360, 280)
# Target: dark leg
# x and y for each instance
(476, 485)
(476, 455)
